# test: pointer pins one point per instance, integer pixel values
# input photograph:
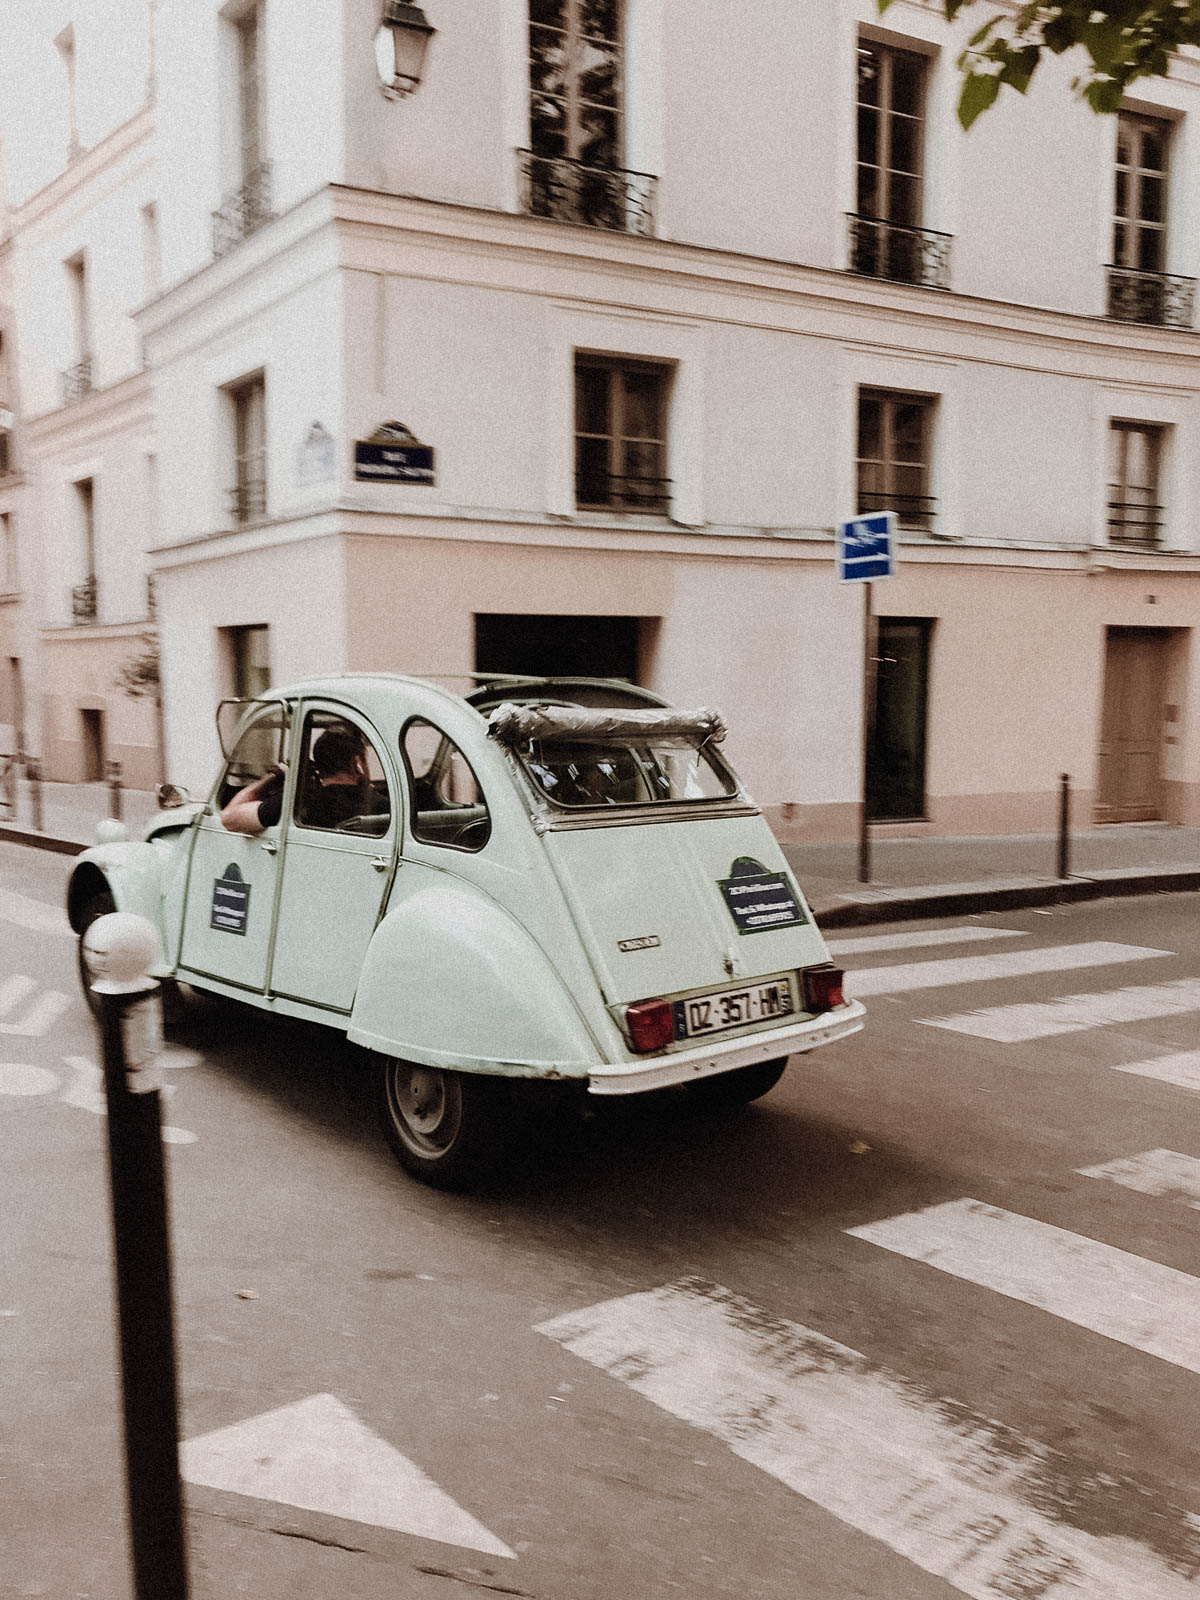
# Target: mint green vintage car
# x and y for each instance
(555, 880)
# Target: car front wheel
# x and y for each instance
(447, 1128)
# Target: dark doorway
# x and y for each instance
(1131, 731)
(896, 770)
(558, 647)
(92, 723)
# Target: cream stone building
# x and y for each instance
(571, 359)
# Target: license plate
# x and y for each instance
(732, 1008)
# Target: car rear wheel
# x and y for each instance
(447, 1128)
(744, 1084)
(100, 904)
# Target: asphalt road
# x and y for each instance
(658, 1362)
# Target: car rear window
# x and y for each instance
(583, 776)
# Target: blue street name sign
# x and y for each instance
(866, 547)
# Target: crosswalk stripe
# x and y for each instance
(957, 1494)
(35, 915)
(42, 1014)
(1006, 964)
(1164, 1173)
(13, 990)
(1023, 1021)
(1140, 1303)
(1182, 1068)
(917, 939)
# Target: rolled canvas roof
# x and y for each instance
(513, 725)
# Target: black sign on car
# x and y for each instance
(758, 899)
(230, 901)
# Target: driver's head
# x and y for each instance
(337, 750)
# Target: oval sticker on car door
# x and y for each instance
(759, 899)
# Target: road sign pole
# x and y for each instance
(868, 734)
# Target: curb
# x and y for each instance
(42, 841)
(948, 900)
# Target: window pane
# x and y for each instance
(547, 127)
(598, 145)
(547, 61)
(868, 74)
(1152, 195)
(592, 485)
(552, 12)
(1153, 154)
(904, 200)
(599, 74)
(449, 807)
(1124, 143)
(909, 486)
(906, 144)
(870, 427)
(643, 483)
(341, 783)
(643, 405)
(600, 19)
(868, 191)
(1116, 456)
(907, 74)
(868, 134)
(908, 431)
(1120, 245)
(871, 496)
(1121, 205)
(1150, 249)
(591, 399)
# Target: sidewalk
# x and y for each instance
(910, 877)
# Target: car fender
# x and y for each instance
(452, 980)
(130, 871)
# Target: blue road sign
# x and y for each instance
(866, 547)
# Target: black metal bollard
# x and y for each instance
(114, 789)
(120, 948)
(33, 773)
(1064, 825)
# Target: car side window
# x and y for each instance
(448, 807)
(341, 786)
(262, 746)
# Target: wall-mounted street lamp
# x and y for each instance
(400, 47)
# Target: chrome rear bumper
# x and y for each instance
(686, 1066)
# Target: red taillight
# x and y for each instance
(651, 1024)
(823, 988)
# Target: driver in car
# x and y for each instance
(339, 790)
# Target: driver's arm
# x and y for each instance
(251, 809)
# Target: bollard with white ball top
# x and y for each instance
(119, 951)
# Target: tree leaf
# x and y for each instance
(979, 91)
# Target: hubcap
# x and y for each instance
(426, 1107)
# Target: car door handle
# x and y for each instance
(380, 863)
(270, 846)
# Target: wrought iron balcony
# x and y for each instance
(615, 491)
(243, 210)
(598, 197)
(912, 510)
(84, 599)
(1151, 297)
(77, 381)
(1134, 524)
(248, 499)
(881, 249)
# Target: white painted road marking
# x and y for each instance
(34, 915)
(18, 1079)
(317, 1455)
(959, 1495)
(1140, 1303)
(86, 1091)
(1022, 1022)
(13, 990)
(1164, 1173)
(987, 969)
(1181, 1068)
(919, 938)
(41, 1016)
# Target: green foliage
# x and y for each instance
(139, 675)
(1123, 41)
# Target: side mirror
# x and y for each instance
(170, 796)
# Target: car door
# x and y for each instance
(233, 877)
(340, 857)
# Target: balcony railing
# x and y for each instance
(1134, 524)
(598, 197)
(84, 599)
(243, 210)
(615, 491)
(912, 510)
(77, 381)
(1151, 297)
(880, 249)
(248, 499)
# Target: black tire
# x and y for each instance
(100, 904)
(743, 1084)
(449, 1129)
